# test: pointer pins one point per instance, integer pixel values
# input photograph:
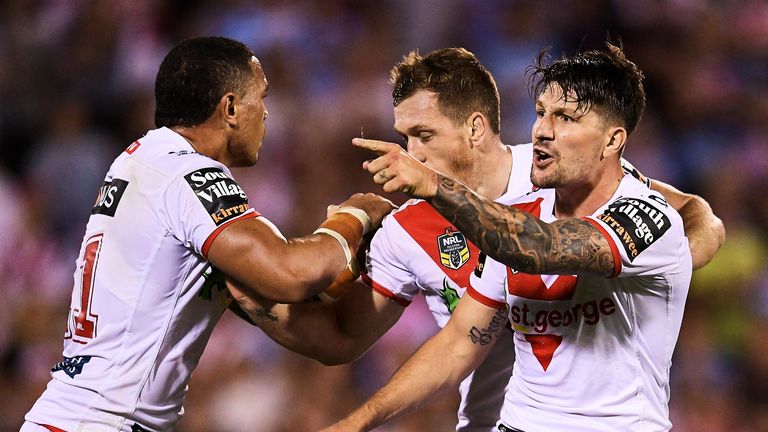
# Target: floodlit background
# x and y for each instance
(76, 87)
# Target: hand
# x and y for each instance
(397, 170)
(374, 206)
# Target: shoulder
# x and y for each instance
(640, 216)
(520, 174)
(414, 222)
(635, 195)
(415, 214)
(169, 155)
(524, 150)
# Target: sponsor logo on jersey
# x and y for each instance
(109, 197)
(71, 365)
(637, 223)
(480, 264)
(453, 248)
(449, 295)
(526, 320)
(136, 428)
(219, 193)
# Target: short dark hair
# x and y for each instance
(194, 76)
(606, 80)
(461, 83)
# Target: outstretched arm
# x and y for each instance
(254, 253)
(521, 240)
(331, 333)
(459, 348)
(705, 231)
(508, 235)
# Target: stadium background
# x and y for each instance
(76, 85)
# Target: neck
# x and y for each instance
(584, 199)
(204, 139)
(491, 171)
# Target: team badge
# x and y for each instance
(453, 248)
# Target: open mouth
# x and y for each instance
(541, 157)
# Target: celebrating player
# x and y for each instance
(599, 268)
(447, 110)
(168, 223)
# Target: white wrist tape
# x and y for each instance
(361, 215)
(340, 238)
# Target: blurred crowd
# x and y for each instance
(76, 85)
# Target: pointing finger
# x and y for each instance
(375, 146)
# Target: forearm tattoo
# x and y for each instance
(520, 240)
(485, 336)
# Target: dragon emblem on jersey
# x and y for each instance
(214, 283)
(453, 248)
(449, 295)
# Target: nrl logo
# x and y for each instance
(453, 248)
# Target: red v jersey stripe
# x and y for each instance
(425, 225)
(533, 287)
(543, 347)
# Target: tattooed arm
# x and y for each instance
(510, 236)
(521, 240)
(458, 349)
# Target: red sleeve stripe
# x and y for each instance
(383, 291)
(52, 428)
(485, 300)
(251, 213)
(611, 243)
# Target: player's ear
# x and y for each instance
(477, 127)
(228, 108)
(617, 138)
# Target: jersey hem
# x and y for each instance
(383, 291)
(251, 213)
(612, 244)
(485, 300)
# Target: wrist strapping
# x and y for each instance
(347, 228)
(361, 215)
(340, 238)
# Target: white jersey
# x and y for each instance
(594, 353)
(416, 250)
(145, 299)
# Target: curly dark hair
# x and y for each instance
(604, 80)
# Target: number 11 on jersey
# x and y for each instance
(81, 323)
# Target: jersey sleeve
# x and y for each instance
(487, 284)
(387, 270)
(645, 234)
(201, 203)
